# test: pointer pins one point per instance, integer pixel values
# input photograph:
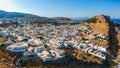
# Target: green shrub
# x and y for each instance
(46, 46)
(1, 45)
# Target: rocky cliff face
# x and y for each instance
(113, 41)
(99, 25)
(102, 18)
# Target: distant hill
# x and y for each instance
(4, 14)
(35, 18)
(61, 18)
(79, 18)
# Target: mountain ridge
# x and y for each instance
(15, 15)
(5, 14)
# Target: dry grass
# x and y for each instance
(2, 39)
(80, 55)
(118, 37)
(5, 58)
(98, 28)
(100, 42)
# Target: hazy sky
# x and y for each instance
(67, 8)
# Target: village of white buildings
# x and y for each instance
(48, 41)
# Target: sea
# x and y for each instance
(116, 20)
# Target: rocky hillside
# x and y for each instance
(103, 24)
(99, 25)
(112, 31)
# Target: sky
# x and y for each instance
(63, 8)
